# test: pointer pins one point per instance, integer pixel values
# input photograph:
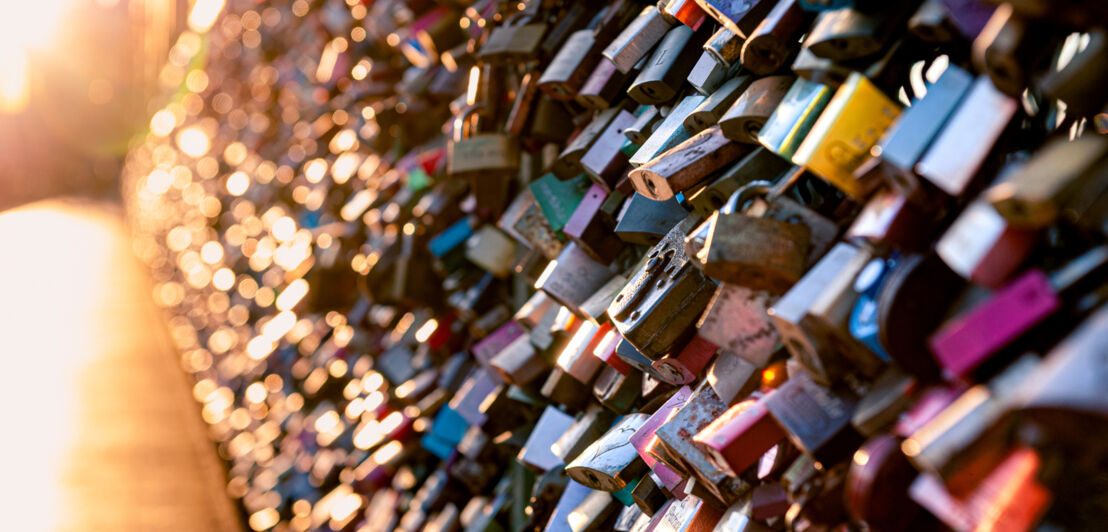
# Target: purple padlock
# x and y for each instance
(963, 344)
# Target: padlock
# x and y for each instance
(739, 17)
(604, 85)
(737, 440)
(596, 307)
(736, 321)
(827, 320)
(604, 161)
(709, 112)
(1076, 84)
(708, 74)
(523, 106)
(664, 298)
(686, 12)
(849, 33)
(769, 252)
(563, 389)
(725, 46)
(518, 40)
(592, 424)
(519, 363)
(593, 514)
(1010, 48)
(888, 397)
(631, 356)
(588, 229)
(669, 133)
(536, 453)
(1034, 195)
(584, 140)
(668, 66)
(877, 485)
(793, 117)
(610, 462)
(968, 340)
(676, 438)
(732, 377)
(683, 367)
(769, 45)
(815, 69)
(485, 159)
(910, 306)
(956, 154)
(557, 199)
(646, 118)
(524, 221)
(492, 250)
(644, 221)
(550, 122)
(848, 127)
(606, 351)
(890, 220)
(907, 140)
(958, 444)
(760, 164)
(737, 518)
(690, 514)
(576, 358)
(810, 317)
(983, 247)
(932, 23)
(1065, 393)
(567, 72)
(637, 39)
(645, 439)
(573, 277)
(816, 419)
(686, 164)
(649, 495)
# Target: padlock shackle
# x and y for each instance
(745, 194)
(460, 121)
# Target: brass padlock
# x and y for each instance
(1078, 83)
(768, 47)
(768, 252)
(517, 40)
(665, 297)
(486, 159)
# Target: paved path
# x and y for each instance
(100, 431)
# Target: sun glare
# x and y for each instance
(25, 27)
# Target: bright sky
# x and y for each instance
(25, 26)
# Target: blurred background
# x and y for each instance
(103, 435)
